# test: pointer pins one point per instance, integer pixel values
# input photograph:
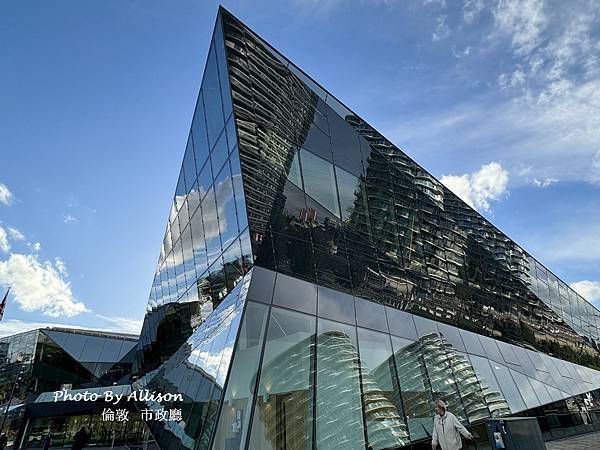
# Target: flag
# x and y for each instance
(3, 305)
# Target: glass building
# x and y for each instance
(52, 359)
(316, 288)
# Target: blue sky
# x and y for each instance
(499, 99)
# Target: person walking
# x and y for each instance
(80, 439)
(447, 429)
(47, 443)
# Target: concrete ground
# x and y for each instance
(590, 441)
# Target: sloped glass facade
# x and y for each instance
(197, 370)
(206, 246)
(318, 289)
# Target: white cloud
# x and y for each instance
(440, 3)
(545, 182)
(6, 196)
(4, 244)
(479, 188)
(574, 47)
(514, 80)
(590, 290)
(545, 112)
(38, 286)
(554, 55)
(524, 21)
(36, 247)
(68, 218)
(60, 266)
(537, 136)
(15, 234)
(472, 9)
(462, 53)
(441, 31)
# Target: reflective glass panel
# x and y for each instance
(295, 294)
(339, 417)
(319, 181)
(472, 343)
(381, 393)
(490, 388)
(348, 187)
(401, 323)
(199, 134)
(210, 220)
(540, 391)
(425, 327)
(240, 204)
(261, 285)
(370, 315)
(212, 97)
(283, 411)
(317, 142)
(525, 388)
(452, 335)
(205, 179)
(441, 376)
(222, 65)
(336, 305)
(235, 412)
(189, 165)
(199, 244)
(344, 139)
(231, 134)
(228, 226)
(491, 348)
(416, 393)
(219, 154)
(509, 388)
(508, 353)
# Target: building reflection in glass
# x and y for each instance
(197, 370)
(325, 382)
(346, 208)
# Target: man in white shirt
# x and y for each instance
(446, 429)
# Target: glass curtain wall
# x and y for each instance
(206, 246)
(331, 201)
(17, 356)
(198, 371)
(316, 368)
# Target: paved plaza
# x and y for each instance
(590, 441)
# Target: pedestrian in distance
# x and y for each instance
(80, 440)
(447, 429)
(47, 442)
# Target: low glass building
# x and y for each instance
(317, 288)
(52, 359)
